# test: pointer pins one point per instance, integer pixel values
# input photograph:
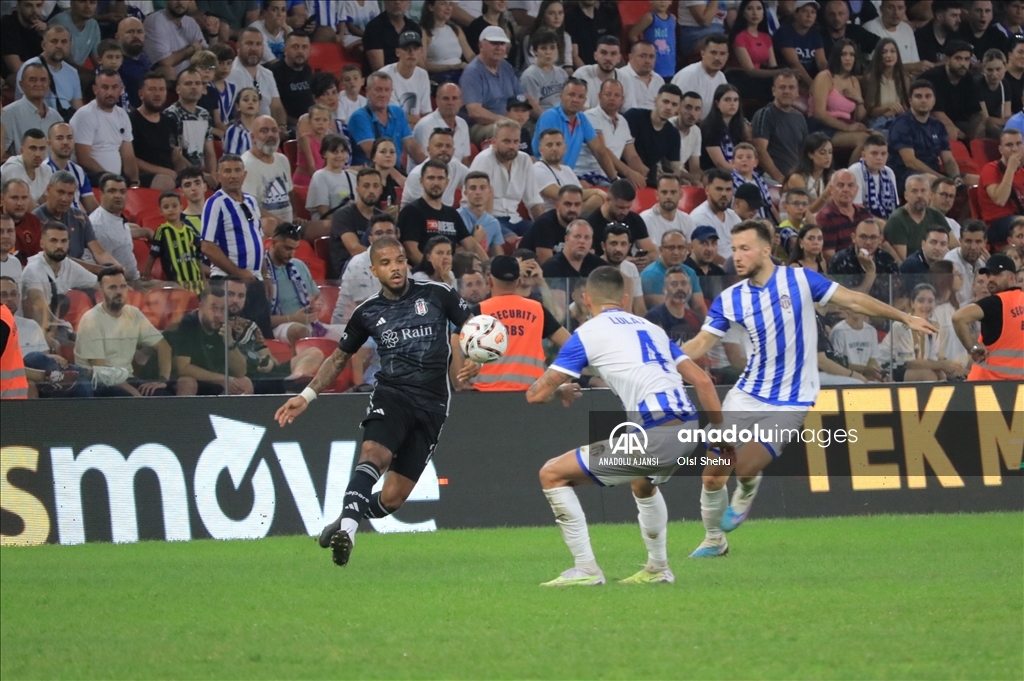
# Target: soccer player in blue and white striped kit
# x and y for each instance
(780, 382)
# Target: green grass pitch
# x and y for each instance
(888, 597)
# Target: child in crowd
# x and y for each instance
(332, 186)
(542, 82)
(178, 247)
(110, 55)
(350, 101)
(193, 189)
(358, 13)
(857, 341)
(658, 27)
(225, 90)
(237, 138)
(795, 203)
(206, 63)
(744, 170)
(876, 182)
(520, 110)
(310, 160)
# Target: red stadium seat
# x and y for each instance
(281, 351)
(457, 200)
(139, 199)
(299, 202)
(963, 158)
(328, 299)
(329, 57)
(473, 151)
(327, 346)
(81, 303)
(168, 305)
(322, 248)
(151, 218)
(317, 267)
(975, 200)
(218, 148)
(692, 197)
(291, 151)
(645, 198)
(984, 151)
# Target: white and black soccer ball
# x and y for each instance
(483, 339)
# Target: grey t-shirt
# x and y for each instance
(544, 86)
(785, 132)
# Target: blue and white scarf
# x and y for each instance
(727, 148)
(295, 277)
(881, 201)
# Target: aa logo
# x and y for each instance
(628, 438)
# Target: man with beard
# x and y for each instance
(546, 237)
(50, 274)
(17, 201)
(268, 174)
(665, 214)
(616, 245)
(575, 260)
(111, 333)
(977, 28)
(201, 342)
(617, 208)
(918, 142)
(968, 258)
(21, 37)
(59, 197)
(440, 147)
(248, 72)
(932, 37)
(65, 93)
(193, 127)
(103, 132)
(656, 140)
(158, 160)
(998, 354)
(409, 321)
(62, 145)
(956, 105)
(602, 67)
(428, 216)
(171, 38)
(910, 224)
(715, 211)
(576, 129)
(113, 232)
(132, 35)
(473, 285)
(350, 222)
(292, 76)
(511, 173)
(31, 111)
(674, 315)
(865, 264)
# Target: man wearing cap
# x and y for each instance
(449, 101)
(410, 83)
(518, 108)
(528, 324)
(487, 83)
(703, 249)
(747, 201)
(577, 130)
(381, 34)
(998, 354)
(673, 252)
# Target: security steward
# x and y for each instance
(998, 354)
(13, 382)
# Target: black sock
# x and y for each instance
(356, 503)
(377, 509)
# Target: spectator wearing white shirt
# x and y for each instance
(29, 165)
(268, 174)
(550, 175)
(618, 139)
(172, 37)
(113, 232)
(51, 273)
(639, 77)
(411, 84)
(9, 265)
(62, 145)
(705, 76)
(892, 23)
(511, 173)
(440, 147)
(30, 335)
(606, 58)
(715, 211)
(690, 138)
(248, 72)
(857, 342)
(103, 132)
(65, 87)
(968, 257)
(358, 283)
(665, 214)
(616, 244)
(449, 101)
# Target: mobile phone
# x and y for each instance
(640, 253)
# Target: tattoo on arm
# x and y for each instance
(329, 371)
(547, 384)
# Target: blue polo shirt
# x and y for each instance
(928, 140)
(555, 118)
(490, 90)
(653, 278)
(365, 126)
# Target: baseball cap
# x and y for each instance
(704, 233)
(519, 101)
(998, 264)
(410, 38)
(804, 3)
(751, 194)
(505, 268)
(494, 34)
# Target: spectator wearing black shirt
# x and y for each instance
(703, 250)
(956, 105)
(350, 222)
(655, 139)
(977, 29)
(674, 315)
(428, 217)
(575, 260)
(21, 38)
(546, 237)
(1014, 78)
(945, 24)
(200, 344)
(587, 22)
(159, 161)
(866, 263)
(835, 17)
(380, 37)
(616, 208)
(292, 76)
(993, 94)
(933, 249)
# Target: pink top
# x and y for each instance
(840, 106)
(302, 174)
(759, 47)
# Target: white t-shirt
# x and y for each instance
(686, 17)
(531, 6)
(264, 82)
(630, 271)
(657, 225)
(103, 131)
(967, 270)
(949, 346)
(428, 123)
(38, 275)
(858, 346)
(346, 107)
(411, 94)
(15, 168)
(544, 176)
(703, 215)
(638, 94)
(113, 339)
(11, 268)
(954, 227)
(694, 78)
(270, 184)
(30, 336)
(616, 136)
(689, 144)
(115, 235)
(903, 35)
(591, 73)
(901, 341)
(862, 181)
(509, 187)
(473, 8)
(456, 178)
(330, 189)
(357, 284)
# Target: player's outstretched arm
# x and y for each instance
(325, 377)
(700, 345)
(701, 382)
(866, 305)
(549, 385)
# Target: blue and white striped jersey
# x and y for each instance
(637, 360)
(780, 318)
(83, 180)
(236, 228)
(237, 139)
(328, 13)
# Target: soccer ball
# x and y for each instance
(483, 339)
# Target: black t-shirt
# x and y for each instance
(345, 219)
(379, 34)
(679, 329)
(293, 86)
(153, 141)
(993, 98)
(525, 142)
(992, 323)
(205, 350)
(928, 47)
(16, 39)
(1014, 91)
(992, 38)
(559, 268)
(653, 146)
(865, 40)
(546, 232)
(585, 32)
(551, 325)
(413, 341)
(636, 225)
(956, 101)
(210, 101)
(418, 222)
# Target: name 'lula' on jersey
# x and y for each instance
(638, 362)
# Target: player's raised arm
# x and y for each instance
(866, 305)
(325, 377)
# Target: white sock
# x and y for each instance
(712, 508)
(653, 519)
(350, 526)
(569, 517)
(750, 486)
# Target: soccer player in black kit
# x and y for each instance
(409, 320)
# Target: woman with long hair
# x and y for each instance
(437, 262)
(309, 159)
(722, 129)
(915, 356)
(551, 15)
(384, 157)
(886, 86)
(444, 43)
(492, 13)
(837, 102)
(810, 242)
(237, 139)
(753, 54)
(814, 170)
(948, 281)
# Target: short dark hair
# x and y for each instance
(444, 132)
(622, 190)
(919, 84)
(716, 174)
(942, 229)
(570, 189)
(524, 254)
(957, 46)
(168, 195)
(716, 38)
(151, 75)
(109, 272)
(573, 80)
(763, 233)
(215, 288)
(939, 181)
(550, 131)
(109, 177)
(333, 142)
(223, 51)
(288, 231)
(321, 82)
(434, 163)
(876, 139)
(973, 226)
(108, 45)
(53, 226)
(543, 36)
(615, 229)
(297, 34)
(33, 133)
(784, 73)
(230, 158)
(378, 218)
(690, 94)
(606, 282)
(609, 39)
(189, 173)
(670, 89)
(477, 175)
(108, 73)
(667, 176)
(943, 6)
(368, 171)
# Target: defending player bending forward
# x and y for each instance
(409, 321)
(780, 383)
(645, 370)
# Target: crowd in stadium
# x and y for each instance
(151, 147)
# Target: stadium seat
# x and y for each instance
(317, 267)
(80, 303)
(327, 346)
(140, 249)
(473, 151)
(218, 148)
(281, 351)
(139, 199)
(975, 201)
(322, 248)
(457, 201)
(963, 158)
(631, 11)
(645, 198)
(299, 203)
(984, 151)
(328, 299)
(510, 248)
(329, 57)
(151, 218)
(169, 305)
(291, 152)
(692, 197)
